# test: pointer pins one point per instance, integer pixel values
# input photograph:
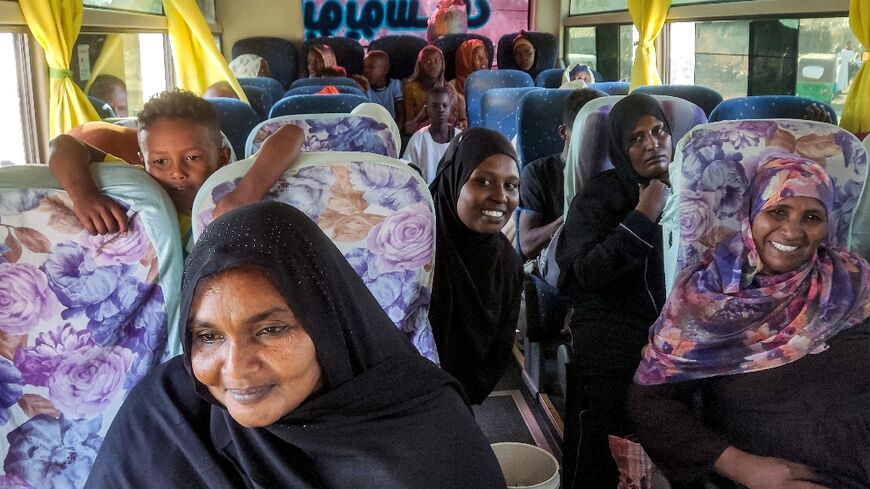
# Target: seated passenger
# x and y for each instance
(578, 72)
(320, 56)
(470, 57)
(542, 187)
(332, 71)
(180, 146)
(379, 87)
(220, 89)
(113, 91)
(478, 276)
(249, 66)
(524, 53)
(292, 376)
(610, 260)
(427, 146)
(428, 73)
(771, 329)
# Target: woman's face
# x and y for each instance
(524, 55)
(432, 65)
(315, 63)
(788, 233)
(490, 195)
(479, 59)
(649, 148)
(249, 349)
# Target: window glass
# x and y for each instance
(580, 46)
(608, 49)
(829, 56)
(119, 70)
(207, 9)
(712, 54)
(12, 150)
(145, 6)
(580, 7)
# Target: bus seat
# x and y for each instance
(499, 108)
(545, 316)
(550, 78)
(402, 50)
(712, 168)
(540, 114)
(546, 51)
(610, 88)
(590, 138)
(312, 89)
(237, 120)
(104, 110)
(280, 54)
(381, 114)
(331, 132)
(258, 99)
(348, 53)
(317, 104)
(274, 90)
(377, 211)
(705, 98)
(449, 43)
(767, 107)
(327, 80)
(82, 318)
(479, 82)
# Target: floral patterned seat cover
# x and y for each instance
(859, 240)
(331, 132)
(376, 210)
(82, 318)
(714, 163)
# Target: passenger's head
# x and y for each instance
(640, 139)
(581, 72)
(180, 143)
(439, 105)
(524, 52)
(430, 65)
(477, 185)
(376, 66)
(470, 57)
(249, 65)
(332, 71)
(575, 102)
(275, 314)
(113, 91)
(220, 89)
(320, 56)
(790, 201)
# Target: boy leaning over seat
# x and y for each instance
(180, 145)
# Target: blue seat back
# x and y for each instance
(538, 120)
(479, 82)
(316, 104)
(312, 89)
(705, 98)
(550, 78)
(104, 110)
(237, 120)
(611, 88)
(327, 80)
(546, 51)
(403, 51)
(273, 88)
(766, 107)
(348, 53)
(500, 108)
(280, 54)
(449, 43)
(258, 99)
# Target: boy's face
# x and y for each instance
(180, 155)
(375, 70)
(438, 106)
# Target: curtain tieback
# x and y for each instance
(865, 57)
(58, 73)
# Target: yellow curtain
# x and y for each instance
(649, 18)
(110, 61)
(56, 24)
(198, 63)
(856, 113)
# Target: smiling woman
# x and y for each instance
(292, 376)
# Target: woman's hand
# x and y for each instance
(757, 472)
(652, 200)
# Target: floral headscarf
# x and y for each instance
(723, 318)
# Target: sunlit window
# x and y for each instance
(608, 49)
(12, 150)
(145, 6)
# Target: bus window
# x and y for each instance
(143, 6)
(11, 127)
(608, 49)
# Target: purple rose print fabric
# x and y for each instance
(82, 319)
(376, 210)
(332, 132)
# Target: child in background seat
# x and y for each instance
(180, 145)
(427, 146)
(381, 89)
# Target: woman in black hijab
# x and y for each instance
(292, 376)
(610, 257)
(478, 276)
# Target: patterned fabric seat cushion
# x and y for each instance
(331, 132)
(376, 210)
(82, 318)
(714, 163)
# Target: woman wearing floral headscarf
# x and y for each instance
(770, 330)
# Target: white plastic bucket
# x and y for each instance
(527, 466)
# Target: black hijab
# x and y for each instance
(386, 417)
(478, 277)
